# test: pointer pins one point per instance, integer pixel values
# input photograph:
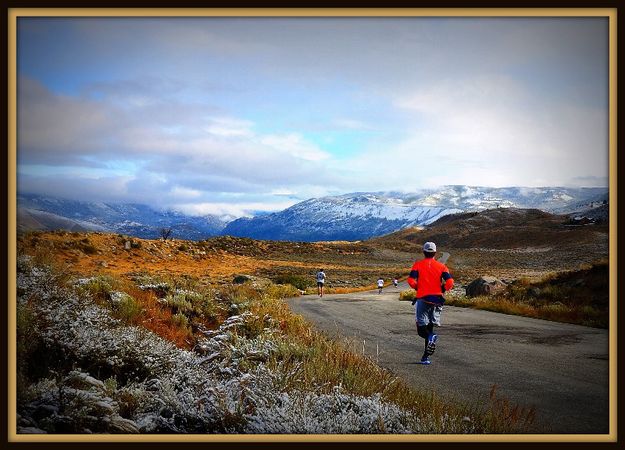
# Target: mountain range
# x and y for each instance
(355, 216)
(364, 215)
(39, 212)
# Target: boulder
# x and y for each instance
(485, 285)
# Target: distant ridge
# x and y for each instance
(502, 229)
(348, 217)
(364, 215)
(38, 212)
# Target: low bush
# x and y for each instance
(180, 321)
(126, 308)
(300, 282)
(261, 370)
(407, 295)
(99, 287)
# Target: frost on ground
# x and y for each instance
(87, 372)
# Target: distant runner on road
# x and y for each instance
(380, 285)
(395, 282)
(321, 278)
(430, 279)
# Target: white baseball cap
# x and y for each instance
(429, 247)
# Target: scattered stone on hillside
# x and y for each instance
(485, 285)
(533, 292)
(127, 245)
(240, 279)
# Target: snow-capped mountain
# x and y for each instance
(355, 216)
(37, 212)
(363, 215)
(346, 217)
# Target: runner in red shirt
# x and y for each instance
(430, 279)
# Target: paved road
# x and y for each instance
(561, 369)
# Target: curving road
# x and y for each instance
(560, 369)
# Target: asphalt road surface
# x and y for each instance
(560, 369)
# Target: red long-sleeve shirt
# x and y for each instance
(427, 277)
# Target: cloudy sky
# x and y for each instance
(237, 115)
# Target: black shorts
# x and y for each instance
(319, 283)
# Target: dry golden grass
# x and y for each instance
(211, 263)
(579, 297)
(158, 319)
(347, 290)
(322, 363)
(308, 359)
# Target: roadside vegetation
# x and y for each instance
(154, 354)
(579, 297)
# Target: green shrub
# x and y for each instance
(179, 320)
(129, 399)
(99, 288)
(179, 304)
(277, 291)
(300, 282)
(209, 308)
(127, 309)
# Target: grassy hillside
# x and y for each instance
(105, 354)
(506, 243)
(578, 296)
(124, 335)
(504, 228)
(216, 260)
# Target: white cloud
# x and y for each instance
(184, 156)
(491, 130)
(295, 145)
(185, 193)
(451, 101)
(229, 127)
(244, 209)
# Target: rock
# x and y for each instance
(127, 245)
(240, 279)
(533, 292)
(485, 285)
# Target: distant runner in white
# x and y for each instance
(321, 278)
(380, 285)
